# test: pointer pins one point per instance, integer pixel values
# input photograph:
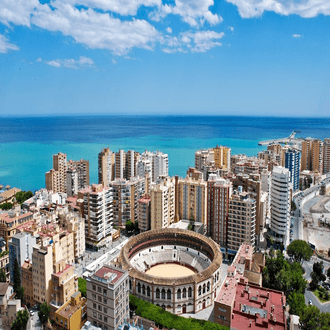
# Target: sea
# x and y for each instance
(28, 143)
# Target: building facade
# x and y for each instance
(106, 166)
(144, 215)
(292, 162)
(108, 297)
(280, 205)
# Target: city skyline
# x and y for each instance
(227, 57)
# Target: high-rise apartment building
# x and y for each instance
(292, 162)
(218, 196)
(27, 282)
(106, 166)
(56, 178)
(162, 203)
(108, 297)
(222, 157)
(312, 155)
(72, 181)
(125, 164)
(203, 157)
(280, 205)
(20, 248)
(144, 215)
(126, 195)
(326, 155)
(42, 261)
(241, 222)
(98, 212)
(191, 199)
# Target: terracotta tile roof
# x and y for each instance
(3, 288)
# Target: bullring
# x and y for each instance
(185, 252)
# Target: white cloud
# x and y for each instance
(5, 45)
(193, 12)
(71, 63)
(200, 41)
(39, 59)
(303, 8)
(122, 7)
(231, 28)
(169, 30)
(296, 35)
(94, 29)
(17, 11)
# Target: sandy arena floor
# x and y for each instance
(170, 270)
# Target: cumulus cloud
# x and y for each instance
(296, 35)
(71, 63)
(94, 29)
(303, 8)
(231, 28)
(168, 30)
(193, 12)
(5, 45)
(122, 7)
(199, 41)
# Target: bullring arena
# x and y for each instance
(175, 269)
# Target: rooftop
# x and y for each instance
(66, 268)
(68, 310)
(108, 274)
(3, 288)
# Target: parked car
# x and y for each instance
(32, 313)
(310, 302)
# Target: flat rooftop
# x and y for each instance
(109, 274)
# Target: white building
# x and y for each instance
(71, 182)
(280, 205)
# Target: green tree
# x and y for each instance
(299, 250)
(21, 320)
(82, 286)
(328, 272)
(44, 313)
(20, 293)
(296, 302)
(130, 227)
(22, 196)
(311, 318)
(318, 270)
(3, 277)
(17, 276)
(6, 206)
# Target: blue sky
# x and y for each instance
(227, 57)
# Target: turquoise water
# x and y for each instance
(27, 144)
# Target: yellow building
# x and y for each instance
(27, 282)
(312, 155)
(191, 199)
(9, 224)
(64, 285)
(222, 157)
(73, 314)
(162, 204)
(42, 260)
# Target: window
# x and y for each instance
(157, 293)
(163, 294)
(99, 289)
(100, 308)
(204, 288)
(168, 294)
(184, 293)
(94, 287)
(94, 314)
(179, 294)
(100, 299)
(105, 292)
(105, 310)
(94, 296)
(148, 291)
(139, 288)
(105, 319)
(105, 300)
(94, 305)
(100, 316)
(199, 290)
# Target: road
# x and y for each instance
(35, 322)
(308, 266)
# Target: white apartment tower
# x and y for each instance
(97, 211)
(280, 205)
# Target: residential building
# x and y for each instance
(9, 221)
(20, 247)
(292, 162)
(71, 181)
(162, 203)
(106, 166)
(222, 157)
(73, 314)
(203, 157)
(194, 174)
(326, 155)
(219, 192)
(42, 260)
(64, 285)
(98, 213)
(4, 258)
(27, 282)
(280, 205)
(144, 215)
(73, 223)
(6, 292)
(241, 304)
(312, 155)
(191, 199)
(125, 164)
(241, 222)
(108, 297)
(126, 195)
